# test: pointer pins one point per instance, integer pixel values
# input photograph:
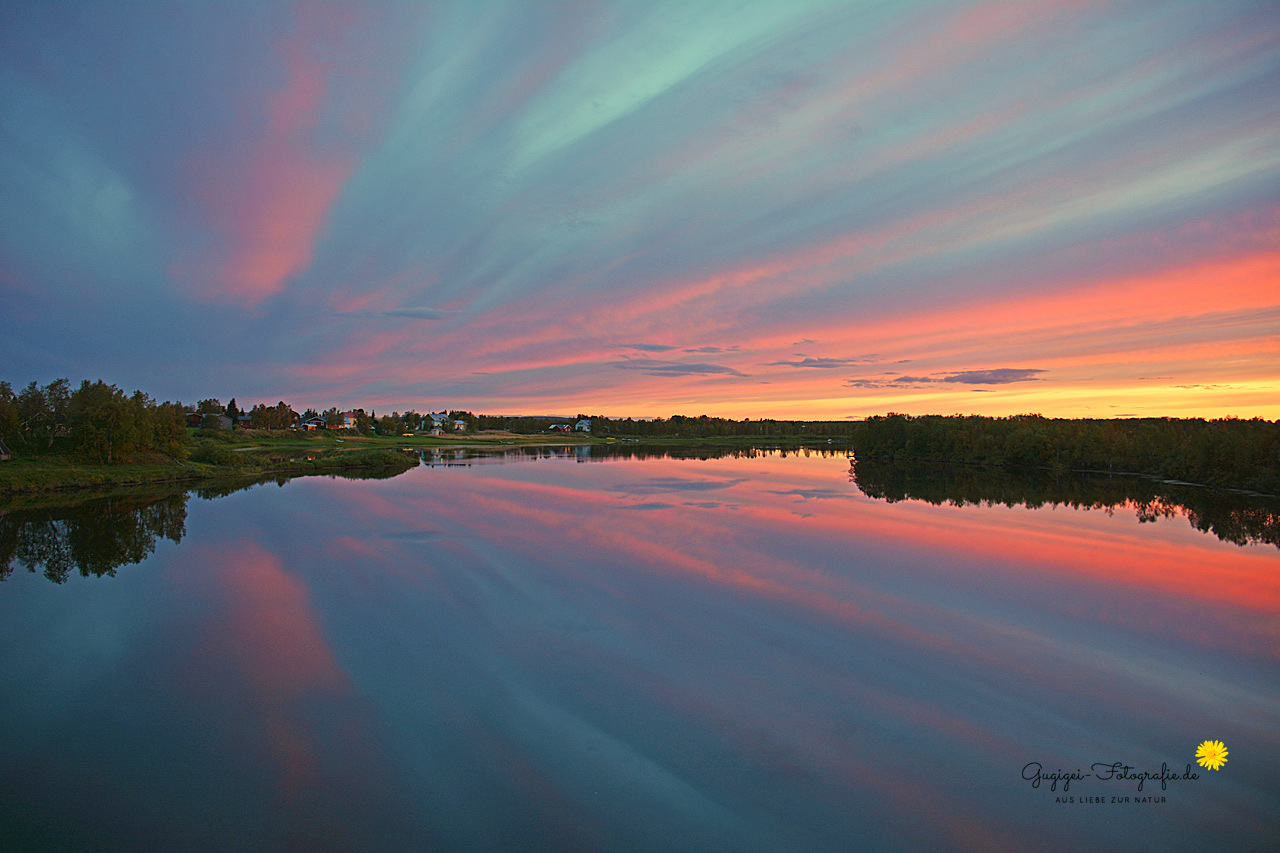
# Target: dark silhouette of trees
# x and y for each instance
(1226, 452)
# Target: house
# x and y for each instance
(4, 452)
(459, 426)
(313, 423)
(559, 428)
(210, 421)
(583, 425)
(439, 419)
(349, 419)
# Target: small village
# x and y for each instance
(211, 414)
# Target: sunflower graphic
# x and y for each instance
(1211, 754)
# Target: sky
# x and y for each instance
(789, 210)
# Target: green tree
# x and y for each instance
(102, 420)
(9, 421)
(42, 412)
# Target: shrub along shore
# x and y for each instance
(50, 473)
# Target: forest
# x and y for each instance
(1227, 452)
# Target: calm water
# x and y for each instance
(633, 654)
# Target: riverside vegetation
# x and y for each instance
(1227, 452)
(97, 435)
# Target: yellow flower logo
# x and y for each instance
(1211, 754)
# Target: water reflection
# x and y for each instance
(436, 456)
(95, 536)
(1232, 517)
(741, 652)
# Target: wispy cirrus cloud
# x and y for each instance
(647, 347)
(420, 313)
(999, 376)
(820, 363)
(654, 367)
(806, 178)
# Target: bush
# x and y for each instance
(213, 454)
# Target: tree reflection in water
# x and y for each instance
(95, 537)
(1238, 518)
(99, 534)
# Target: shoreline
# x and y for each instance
(237, 456)
(263, 454)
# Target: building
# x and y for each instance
(583, 425)
(212, 421)
(4, 452)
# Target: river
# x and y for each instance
(563, 650)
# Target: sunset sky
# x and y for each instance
(641, 209)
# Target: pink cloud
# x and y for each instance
(267, 203)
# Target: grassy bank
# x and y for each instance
(46, 474)
(219, 454)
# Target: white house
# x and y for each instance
(583, 425)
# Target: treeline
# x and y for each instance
(96, 420)
(677, 426)
(1227, 452)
